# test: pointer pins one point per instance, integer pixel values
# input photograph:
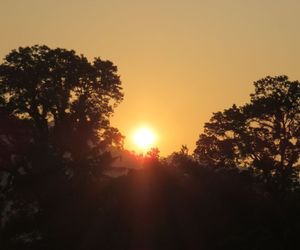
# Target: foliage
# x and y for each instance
(54, 135)
(263, 134)
(68, 99)
(54, 128)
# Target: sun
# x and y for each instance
(144, 138)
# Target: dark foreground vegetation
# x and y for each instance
(238, 190)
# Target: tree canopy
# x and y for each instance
(67, 98)
(263, 134)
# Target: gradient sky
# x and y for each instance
(179, 60)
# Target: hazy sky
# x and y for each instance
(179, 60)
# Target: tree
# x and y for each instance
(263, 134)
(55, 107)
(68, 99)
(181, 159)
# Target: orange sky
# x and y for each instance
(179, 61)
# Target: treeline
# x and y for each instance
(239, 189)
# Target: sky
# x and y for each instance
(179, 61)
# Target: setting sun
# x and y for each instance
(144, 138)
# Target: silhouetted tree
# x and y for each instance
(68, 99)
(54, 131)
(181, 159)
(153, 153)
(263, 134)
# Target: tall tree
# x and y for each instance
(68, 99)
(263, 134)
(55, 107)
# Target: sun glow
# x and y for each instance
(144, 138)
